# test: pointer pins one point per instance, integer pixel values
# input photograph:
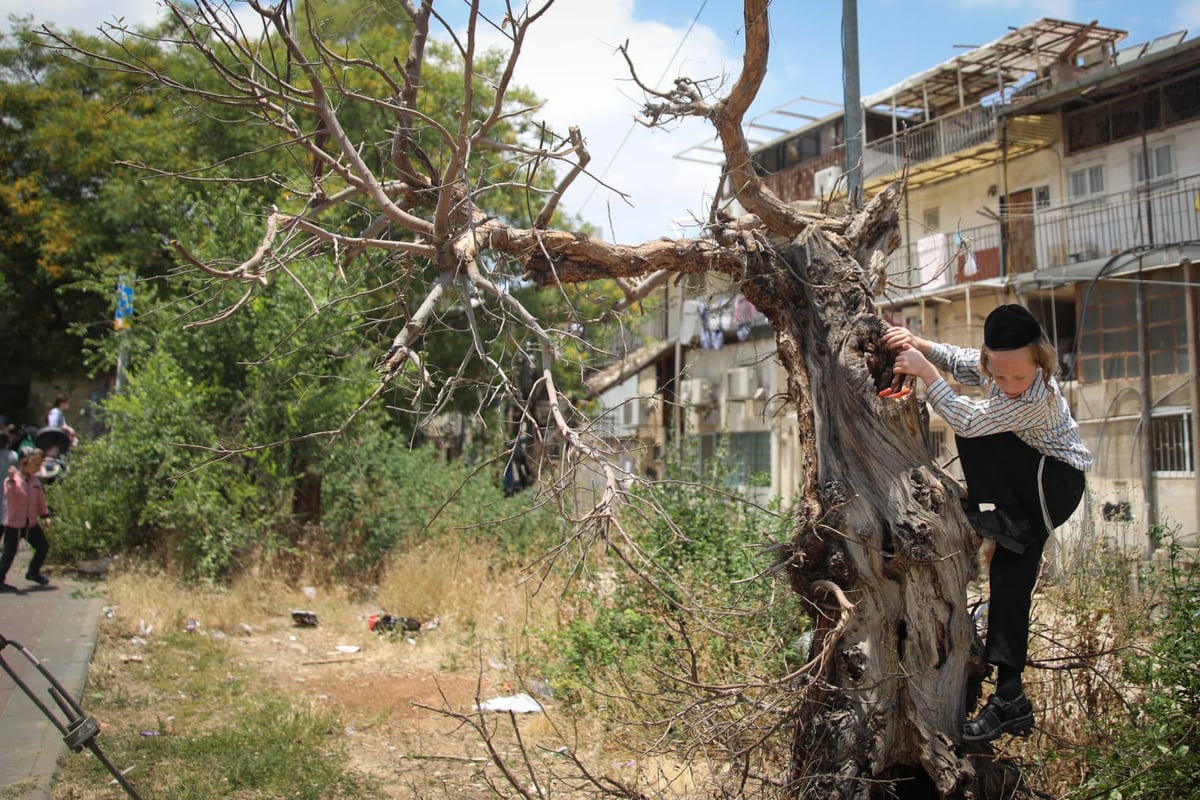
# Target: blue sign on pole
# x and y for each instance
(123, 318)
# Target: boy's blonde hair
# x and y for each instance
(1043, 353)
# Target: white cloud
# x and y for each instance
(85, 15)
(570, 60)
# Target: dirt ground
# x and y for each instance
(401, 696)
(385, 695)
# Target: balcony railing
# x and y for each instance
(1096, 229)
(930, 141)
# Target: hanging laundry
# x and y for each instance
(744, 313)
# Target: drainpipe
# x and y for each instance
(1190, 277)
(1148, 488)
(1006, 210)
(1146, 182)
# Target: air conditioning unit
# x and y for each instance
(695, 392)
(828, 182)
(740, 383)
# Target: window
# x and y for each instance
(1041, 197)
(744, 457)
(1108, 346)
(1171, 440)
(1161, 160)
(933, 219)
(1087, 182)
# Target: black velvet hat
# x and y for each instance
(1010, 327)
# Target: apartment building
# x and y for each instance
(1059, 167)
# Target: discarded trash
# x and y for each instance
(191, 626)
(517, 704)
(348, 648)
(137, 640)
(310, 592)
(387, 622)
(124, 772)
(246, 629)
(305, 619)
(128, 659)
(151, 733)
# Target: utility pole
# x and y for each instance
(852, 101)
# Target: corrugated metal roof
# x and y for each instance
(983, 71)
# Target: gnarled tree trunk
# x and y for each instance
(881, 554)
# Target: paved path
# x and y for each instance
(58, 624)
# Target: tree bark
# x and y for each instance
(879, 529)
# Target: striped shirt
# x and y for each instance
(1039, 417)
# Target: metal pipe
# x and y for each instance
(852, 101)
(1190, 276)
(1147, 442)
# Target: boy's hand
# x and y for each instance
(910, 361)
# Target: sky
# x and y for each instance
(571, 61)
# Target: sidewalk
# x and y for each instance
(58, 624)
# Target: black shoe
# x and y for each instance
(7, 587)
(1000, 716)
(39, 579)
(1013, 534)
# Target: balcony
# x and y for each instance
(1075, 234)
(933, 143)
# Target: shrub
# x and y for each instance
(381, 493)
(700, 606)
(120, 489)
(1155, 753)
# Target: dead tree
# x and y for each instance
(881, 554)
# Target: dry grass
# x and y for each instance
(395, 699)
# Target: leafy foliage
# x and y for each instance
(707, 609)
(1156, 753)
(385, 494)
(72, 217)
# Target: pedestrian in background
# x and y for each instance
(56, 417)
(10, 435)
(25, 517)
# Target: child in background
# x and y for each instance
(24, 517)
(1020, 450)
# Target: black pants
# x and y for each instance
(37, 540)
(1003, 470)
